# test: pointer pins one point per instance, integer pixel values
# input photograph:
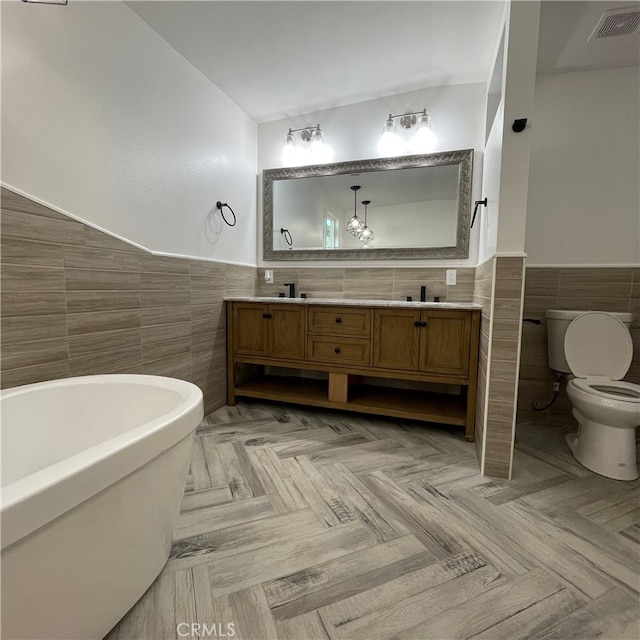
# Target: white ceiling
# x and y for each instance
(565, 28)
(281, 59)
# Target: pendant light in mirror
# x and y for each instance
(366, 234)
(354, 226)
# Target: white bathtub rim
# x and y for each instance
(33, 501)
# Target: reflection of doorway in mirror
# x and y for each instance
(330, 230)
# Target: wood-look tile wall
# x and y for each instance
(582, 288)
(483, 294)
(76, 301)
(498, 289)
(390, 283)
(506, 322)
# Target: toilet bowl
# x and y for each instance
(598, 349)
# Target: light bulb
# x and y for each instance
(325, 155)
(289, 150)
(366, 234)
(317, 143)
(424, 140)
(354, 226)
(291, 155)
(390, 144)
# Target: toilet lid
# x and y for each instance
(598, 344)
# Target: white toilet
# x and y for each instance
(596, 348)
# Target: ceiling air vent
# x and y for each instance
(624, 21)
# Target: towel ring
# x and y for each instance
(219, 206)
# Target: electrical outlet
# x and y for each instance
(268, 276)
(555, 386)
(451, 276)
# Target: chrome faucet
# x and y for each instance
(292, 288)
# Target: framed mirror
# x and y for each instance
(414, 207)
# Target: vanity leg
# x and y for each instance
(231, 368)
(231, 385)
(338, 387)
(470, 429)
(472, 387)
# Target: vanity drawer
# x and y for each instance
(346, 351)
(340, 321)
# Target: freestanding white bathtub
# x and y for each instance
(93, 470)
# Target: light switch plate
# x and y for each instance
(268, 276)
(451, 276)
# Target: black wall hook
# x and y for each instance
(519, 125)
(219, 206)
(475, 210)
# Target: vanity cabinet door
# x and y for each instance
(250, 329)
(287, 328)
(273, 331)
(396, 339)
(445, 341)
(434, 341)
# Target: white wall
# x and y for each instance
(302, 213)
(353, 131)
(521, 45)
(403, 225)
(584, 193)
(506, 160)
(487, 217)
(103, 120)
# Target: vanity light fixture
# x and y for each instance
(60, 2)
(354, 226)
(365, 233)
(317, 152)
(423, 141)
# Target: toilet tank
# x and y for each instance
(558, 320)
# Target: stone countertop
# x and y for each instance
(351, 302)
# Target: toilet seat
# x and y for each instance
(610, 389)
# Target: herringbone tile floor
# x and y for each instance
(303, 524)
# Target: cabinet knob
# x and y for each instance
(337, 349)
(417, 323)
(423, 324)
(338, 320)
(266, 315)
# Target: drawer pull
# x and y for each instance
(338, 320)
(337, 349)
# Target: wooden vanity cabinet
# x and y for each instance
(404, 362)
